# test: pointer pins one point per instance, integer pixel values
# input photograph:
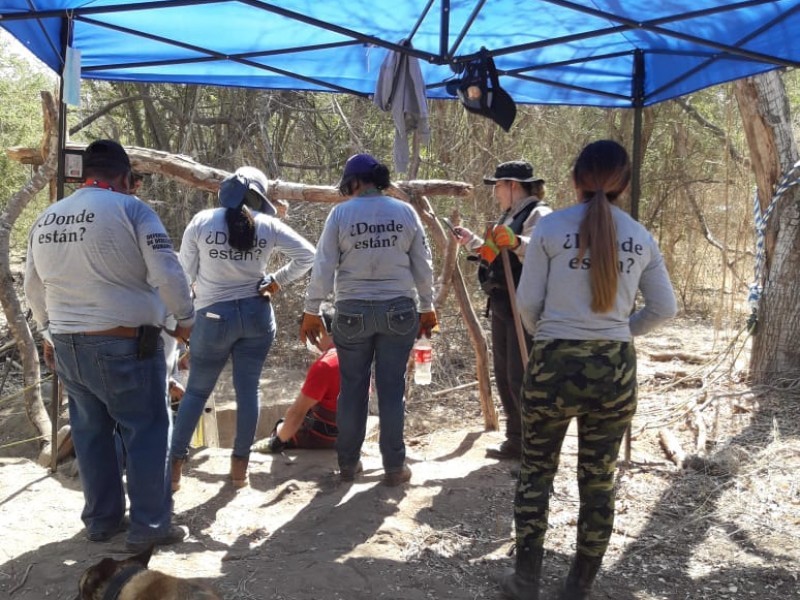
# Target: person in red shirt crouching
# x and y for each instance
(310, 422)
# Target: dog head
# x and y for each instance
(96, 579)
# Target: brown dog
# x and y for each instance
(130, 579)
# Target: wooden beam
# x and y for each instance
(187, 171)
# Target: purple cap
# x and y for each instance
(358, 164)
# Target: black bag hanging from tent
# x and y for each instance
(478, 89)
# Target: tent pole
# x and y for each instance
(444, 29)
(55, 392)
(638, 104)
(636, 169)
(636, 162)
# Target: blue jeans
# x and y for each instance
(385, 331)
(242, 330)
(110, 389)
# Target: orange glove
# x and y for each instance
(427, 324)
(504, 237)
(49, 355)
(311, 329)
(489, 250)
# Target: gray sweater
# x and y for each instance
(220, 273)
(100, 259)
(372, 248)
(554, 292)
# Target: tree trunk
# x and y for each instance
(773, 150)
(17, 323)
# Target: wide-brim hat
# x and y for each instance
(513, 170)
(247, 185)
(106, 154)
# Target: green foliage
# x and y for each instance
(20, 124)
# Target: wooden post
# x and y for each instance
(512, 296)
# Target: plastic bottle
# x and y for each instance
(423, 356)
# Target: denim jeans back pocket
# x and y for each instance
(348, 326)
(124, 374)
(402, 321)
(210, 330)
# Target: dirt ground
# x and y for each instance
(725, 527)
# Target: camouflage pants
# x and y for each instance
(594, 382)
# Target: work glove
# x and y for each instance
(504, 237)
(488, 250)
(311, 329)
(427, 324)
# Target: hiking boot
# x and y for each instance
(174, 535)
(239, 471)
(507, 450)
(522, 583)
(104, 536)
(177, 467)
(581, 577)
(398, 477)
(349, 473)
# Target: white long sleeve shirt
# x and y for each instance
(554, 293)
(372, 248)
(99, 259)
(220, 273)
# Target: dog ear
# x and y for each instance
(143, 557)
(94, 577)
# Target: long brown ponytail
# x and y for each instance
(241, 228)
(601, 173)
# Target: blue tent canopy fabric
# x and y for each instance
(611, 53)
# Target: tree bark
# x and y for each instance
(17, 323)
(187, 171)
(764, 107)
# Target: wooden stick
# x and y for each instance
(55, 405)
(512, 296)
(463, 386)
(672, 447)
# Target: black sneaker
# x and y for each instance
(349, 473)
(174, 535)
(104, 536)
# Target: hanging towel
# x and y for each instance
(401, 90)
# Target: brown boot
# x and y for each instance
(239, 471)
(581, 577)
(523, 582)
(177, 466)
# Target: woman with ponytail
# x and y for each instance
(225, 252)
(576, 296)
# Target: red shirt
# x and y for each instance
(322, 380)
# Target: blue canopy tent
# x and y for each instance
(608, 53)
(612, 53)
